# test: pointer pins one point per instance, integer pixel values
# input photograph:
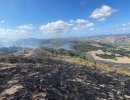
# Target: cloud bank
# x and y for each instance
(62, 26)
(16, 33)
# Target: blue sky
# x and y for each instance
(63, 18)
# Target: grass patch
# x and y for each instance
(93, 65)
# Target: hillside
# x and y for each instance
(58, 69)
(38, 75)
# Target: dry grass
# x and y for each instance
(92, 65)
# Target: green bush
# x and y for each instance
(106, 56)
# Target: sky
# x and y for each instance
(63, 18)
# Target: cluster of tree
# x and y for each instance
(113, 49)
(17, 59)
(122, 52)
(106, 56)
(108, 45)
(64, 52)
(84, 47)
(8, 50)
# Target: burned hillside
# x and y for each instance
(57, 80)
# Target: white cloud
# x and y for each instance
(26, 27)
(17, 33)
(12, 33)
(83, 2)
(101, 13)
(79, 21)
(128, 24)
(81, 24)
(121, 29)
(125, 26)
(62, 26)
(55, 27)
(2, 21)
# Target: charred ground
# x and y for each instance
(31, 77)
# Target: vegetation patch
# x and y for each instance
(106, 56)
(10, 50)
(85, 47)
(81, 60)
(122, 52)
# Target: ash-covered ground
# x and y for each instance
(56, 80)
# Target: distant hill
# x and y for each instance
(121, 39)
(117, 40)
